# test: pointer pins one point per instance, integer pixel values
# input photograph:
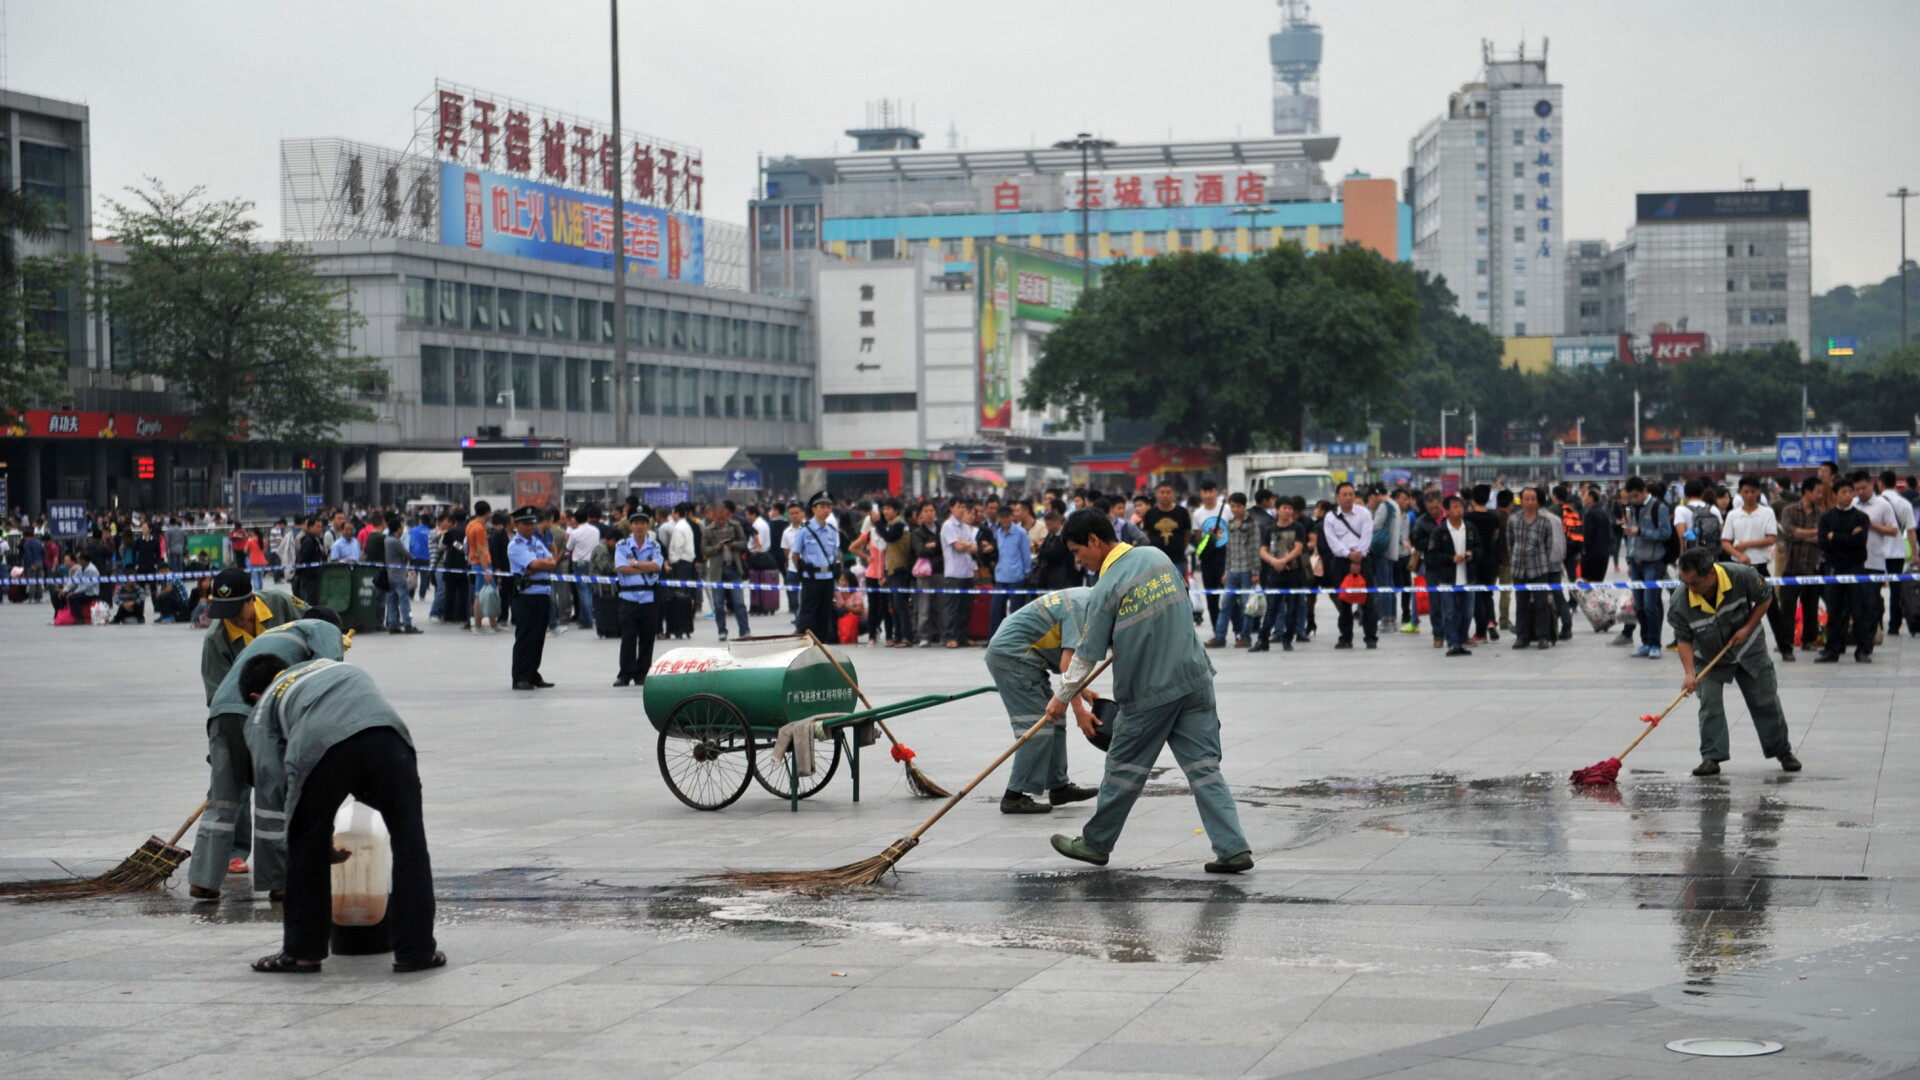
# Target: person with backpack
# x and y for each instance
(1697, 520)
(1646, 531)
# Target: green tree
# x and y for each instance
(1749, 396)
(33, 358)
(253, 339)
(1459, 366)
(1234, 352)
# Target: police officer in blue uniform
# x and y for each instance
(532, 564)
(638, 560)
(816, 553)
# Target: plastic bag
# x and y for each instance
(487, 602)
(1256, 605)
(1353, 589)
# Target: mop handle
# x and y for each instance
(954, 800)
(188, 824)
(861, 694)
(1701, 674)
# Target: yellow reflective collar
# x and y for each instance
(1694, 599)
(261, 615)
(1118, 550)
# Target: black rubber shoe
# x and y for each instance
(1789, 763)
(1075, 848)
(1072, 793)
(1022, 804)
(1236, 865)
(1707, 768)
(438, 959)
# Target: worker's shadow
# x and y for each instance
(1141, 918)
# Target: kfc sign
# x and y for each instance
(483, 130)
(1673, 348)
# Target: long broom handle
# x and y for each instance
(1701, 674)
(188, 824)
(954, 800)
(861, 694)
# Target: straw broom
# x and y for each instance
(1606, 772)
(146, 870)
(918, 782)
(869, 871)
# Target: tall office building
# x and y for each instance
(1485, 183)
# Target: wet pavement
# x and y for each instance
(1432, 898)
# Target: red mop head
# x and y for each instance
(901, 753)
(1605, 772)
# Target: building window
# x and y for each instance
(881, 249)
(769, 395)
(606, 321)
(433, 375)
(1776, 316)
(1519, 170)
(677, 330)
(689, 392)
(750, 396)
(1519, 329)
(549, 382)
(493, 383)
(465, 377)
(1480, 203)
(786, 398)
(730, 394)
(1519, 234)
(523, 395)
(1519, 266)
(737, 337)
(868, 403)
(562, 317)
(1519, 136)
(453, 310)
(1589, 279)
(770, 238)
(1729, 251)
(1731, 287)
(866, 292)
(1480, 267)
(866, 318)
(576, 384)
(1519, 202)
(537, 314)
(419, 301)
(1519, 298)
(480, 306)
(1776, 283)
(803, 390)
(586, 324)
(43, 174)
(1589, 309)
(793, 344)
(1480, 137)
(506, 311)
(1480, 235)
(776, 342)
(1479, 170)
(710, 394)
(602, 387)
(804, 227)
(1189, 239)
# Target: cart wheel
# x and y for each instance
(706, 751)
(771, 771)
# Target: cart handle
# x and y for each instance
(899, 708)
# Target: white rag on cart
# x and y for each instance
(799, 736)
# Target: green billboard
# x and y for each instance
(1014, 283)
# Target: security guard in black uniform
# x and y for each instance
(816, 553)
(532, 564)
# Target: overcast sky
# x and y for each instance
(1661, 95)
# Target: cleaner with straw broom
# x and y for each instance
(1721, 608)
(1030, 645)
(1164, 687)
(240, 615)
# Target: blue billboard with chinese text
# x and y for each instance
(487, 211)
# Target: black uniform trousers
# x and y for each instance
(639, 625)
(377, 767)
(816, 609)
(531, 613)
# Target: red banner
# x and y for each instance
(1673, 348)
(66, 424)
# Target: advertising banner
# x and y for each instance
(266, 497)
(1014, 283)
(535, 487)
(1712, 205)
(1597, 350)
(1673, 348)
(488, 211)
(67, 424)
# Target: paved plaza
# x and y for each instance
(1432, 899)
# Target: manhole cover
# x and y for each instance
(1725, 1047)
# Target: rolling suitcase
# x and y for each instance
(606, 615)
(764, 597)
(980, 613)
(676, 613)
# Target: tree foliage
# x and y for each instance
(246, 331)
(1234, 352)
(33, 359)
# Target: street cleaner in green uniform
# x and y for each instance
(1163, 684)
(240, 615)
(1726, 602)
(316, 635)
(1031, 644)
(321, 731)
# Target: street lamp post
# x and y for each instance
(1086, 144)
(1579, 431)
(1444, 413)
(621, 417)
(1903, 195)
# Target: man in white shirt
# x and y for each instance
(1349, 532)
(760, 534)
(1748, 538)
(956, 548)
(1884, 538)
(1887, 487)
(581, 540)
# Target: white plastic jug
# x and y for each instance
(362, 884)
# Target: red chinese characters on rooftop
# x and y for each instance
(477, 129)
(1170, 189)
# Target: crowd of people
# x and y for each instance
(945, 573)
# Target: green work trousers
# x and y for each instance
(1762, 693)
(1041, 765)
(1190, 727)
(226, 828)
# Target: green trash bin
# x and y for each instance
(348, 589)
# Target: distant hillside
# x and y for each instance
(1870, 313)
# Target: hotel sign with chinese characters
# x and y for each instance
(488, 131)
(1142, 191)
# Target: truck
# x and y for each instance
(1285, 473)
